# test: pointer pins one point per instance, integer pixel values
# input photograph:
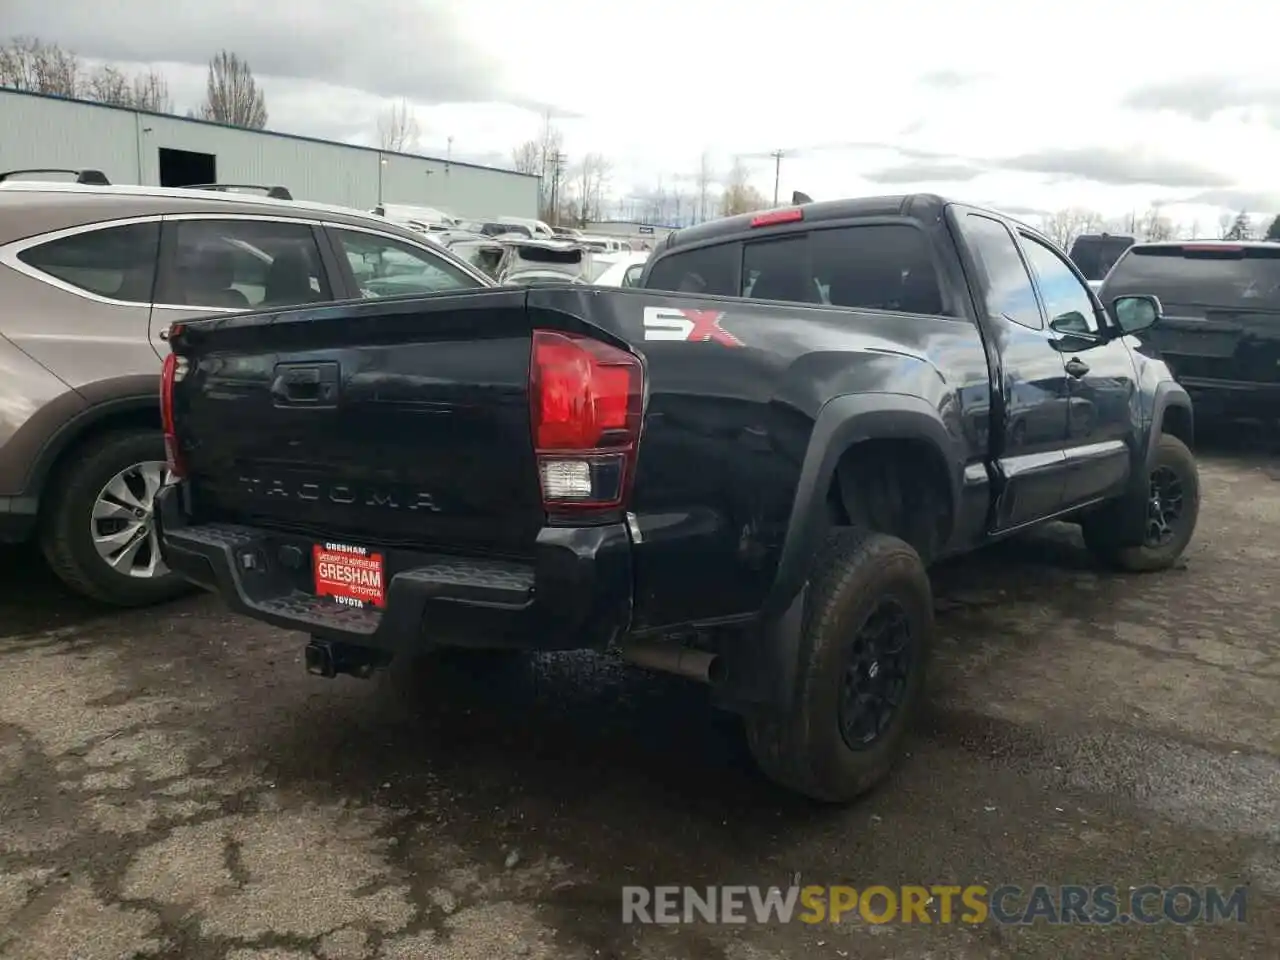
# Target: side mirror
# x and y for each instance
(1072, 324)
(1136, 313)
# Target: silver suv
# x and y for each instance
(91, 275)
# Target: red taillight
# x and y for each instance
(1211, 248)
(173, 370)
(586, 401)
(776, 216)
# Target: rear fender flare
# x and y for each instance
(841, 423)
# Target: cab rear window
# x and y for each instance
(876, 266)
(1209, 275)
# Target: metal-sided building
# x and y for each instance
(132, 146)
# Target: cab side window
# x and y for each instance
(1066, 300)
(118, 263)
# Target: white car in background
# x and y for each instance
(620, 269)
(421, 219)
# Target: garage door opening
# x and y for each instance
(181, 168)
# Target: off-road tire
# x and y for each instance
(1101, 530)
(65, 531)
(803, 749)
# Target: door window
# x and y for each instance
(1066, 299)
(245, 265)
(1009, 290)
(384, 267)
(114, 262)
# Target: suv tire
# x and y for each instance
(1173, 474)
(864, 586)
(68, 524)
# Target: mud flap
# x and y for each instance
(759, 666)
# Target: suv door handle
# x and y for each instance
(1077, 367)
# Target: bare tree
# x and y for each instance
(542, 157)
(704, 178)
(1225, 221)
(398, 128)
(550, 141)
(593, 177)
(151, 92)
(145, 91)
(739, 195)
(1064, 226)
(578, 195)
(526, 158)
(1154, 225)
(30, 65)
(233, 96)
(108, 84)
(1241, 228)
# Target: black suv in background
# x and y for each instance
(1094, 254)
(1220, 332)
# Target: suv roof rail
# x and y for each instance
(275, 193)
(88, 176)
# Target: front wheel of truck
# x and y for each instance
(1171, 509)
(864, 648)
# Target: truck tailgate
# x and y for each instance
(394, 422)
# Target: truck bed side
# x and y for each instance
(420, 436)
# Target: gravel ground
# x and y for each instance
(173, 784)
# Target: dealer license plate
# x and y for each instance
(352, 576)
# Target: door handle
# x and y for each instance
(309, 385)
(1077, 367)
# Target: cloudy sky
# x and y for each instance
(1028, 106)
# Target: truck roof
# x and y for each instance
(918, 206)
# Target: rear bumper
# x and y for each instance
(575, 593)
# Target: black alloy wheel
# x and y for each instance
(877, 670)
(1164, 507)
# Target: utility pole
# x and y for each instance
(777, 173)
(558, 162)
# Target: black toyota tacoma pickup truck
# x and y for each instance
(738, 471)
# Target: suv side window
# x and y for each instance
(1066, 299)
(243, 264)
(115, 262)
(384, 267)
(1009, 290)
